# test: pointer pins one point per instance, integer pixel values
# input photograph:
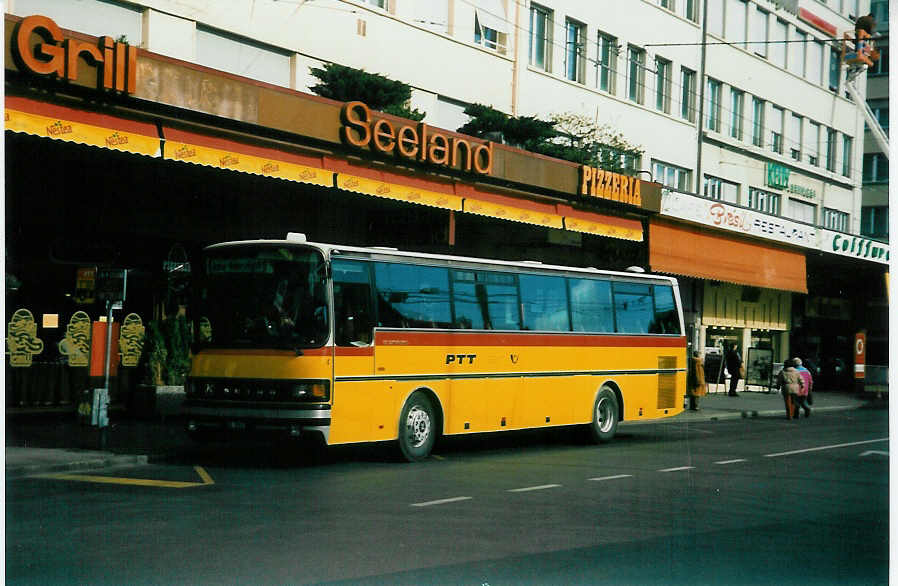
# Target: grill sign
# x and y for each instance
(57, 56)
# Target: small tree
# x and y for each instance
(347, 84)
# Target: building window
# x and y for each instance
(814, 144)
(757, 121)
(736, 13)
(875, 221)
(662, 84)
(573, 50)
(798, 53)
(814, 71)
(607, 64)
(835, 220)
(846, 155)
(778, 43)
(721, 189)
(241, 56)
(737, 113)
(92, 17)
(379, 3)
(636, 89)
(764, 201)
(880, 112)
(876, 168)
(881, 66)
(668, 4)
(802, 211)
(880, 11)
(795, 137)
(690, 9)
(835, 73)
(776, 129)
(491, 27)
(671, 175)
(540, 42)
(713, 105)
(758, 31)
(830, 150)
(715, 18)
(687, 99)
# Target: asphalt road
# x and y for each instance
(756, 501)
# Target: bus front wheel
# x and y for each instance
(604, 416)
(417, 429)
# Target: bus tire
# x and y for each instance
(417, 428)
(604, 416)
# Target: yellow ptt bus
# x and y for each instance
(374, 344)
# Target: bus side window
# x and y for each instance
(353, 316)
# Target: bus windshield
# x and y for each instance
(263, 297)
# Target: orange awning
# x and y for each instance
(698, 252)
(190, 147)
(80, 126)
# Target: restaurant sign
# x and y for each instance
(603, 184)
(414, 142)
(38, 46)
(731, 218)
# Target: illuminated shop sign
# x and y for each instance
(416, 142)
(603, 184)
(57, 56)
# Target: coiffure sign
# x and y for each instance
(416, 142)
(735, 219)
(39, 47)
(855, 246)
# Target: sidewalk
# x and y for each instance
(38, 444)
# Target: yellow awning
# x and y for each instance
(80, 126)
(398, 192)
(515, 213)
(188, 147)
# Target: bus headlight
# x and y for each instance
(312, 391)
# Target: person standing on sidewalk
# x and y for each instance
(790, 383)
(696, 379)
(734, 367)
(804, 397)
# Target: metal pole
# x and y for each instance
(701, 98)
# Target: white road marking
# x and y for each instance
(442, 501)
(677, 469)
(529, 488)
(612, 477)
(876, 452)
(885, 439)
(722, 462)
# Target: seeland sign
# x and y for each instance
(417, 142)
(39, 47)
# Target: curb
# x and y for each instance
(76, 465)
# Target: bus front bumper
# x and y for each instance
(292, 421)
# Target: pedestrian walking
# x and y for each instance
(696, 375)
(790, 383)
(734, 367)
(805, 399)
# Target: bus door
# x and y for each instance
(353, 396)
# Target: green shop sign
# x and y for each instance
(777, 176)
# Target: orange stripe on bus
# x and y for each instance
(419, 338)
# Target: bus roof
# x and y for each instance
(383, 252)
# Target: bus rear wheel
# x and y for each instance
(604, 416)
(417, 429)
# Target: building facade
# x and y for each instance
(749, 181)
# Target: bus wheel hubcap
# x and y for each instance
(604, 416)
(418, 424)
